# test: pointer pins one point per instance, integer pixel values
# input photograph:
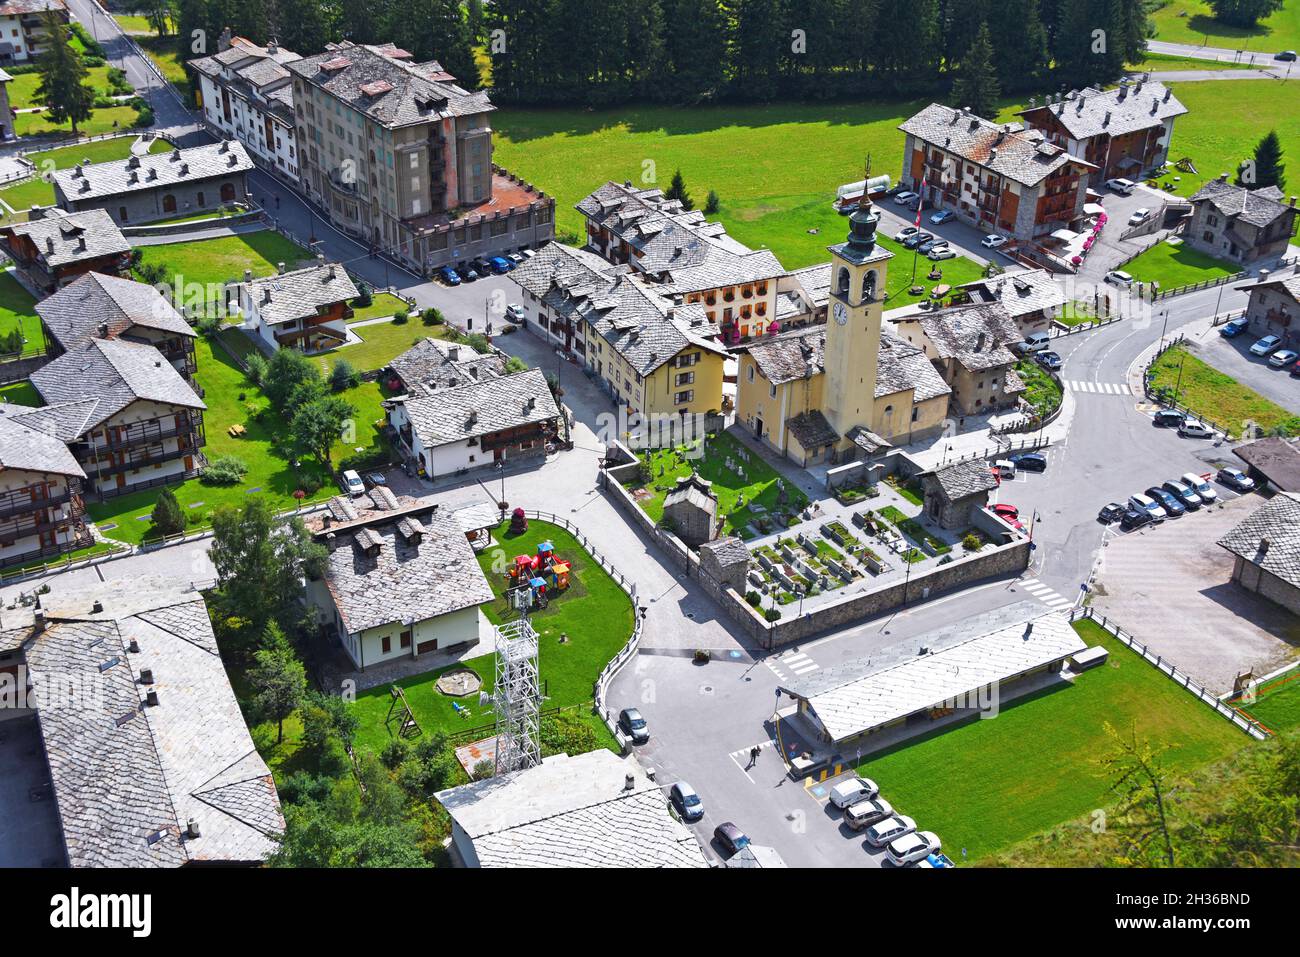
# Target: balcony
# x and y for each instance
(34, 524)
(142, 434)
(22, 501)
(101, 469)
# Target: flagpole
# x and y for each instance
(920, 205)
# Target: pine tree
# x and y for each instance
(977, 80)
(1244, 13)
(191, 21)
(167, 516)
(695, 44)
(68, 98)
(758, 42)
(677, 190)
(1020, 41)
(712, 204)
(1267, 168)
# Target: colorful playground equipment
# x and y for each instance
(543, 574)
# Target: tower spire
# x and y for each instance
(864, 201)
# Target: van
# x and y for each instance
(1034, 342)
(1004, 469)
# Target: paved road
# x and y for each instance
(1200, 76)
(1203, 52)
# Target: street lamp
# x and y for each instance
(1163, 327)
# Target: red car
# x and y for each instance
(1009, 514)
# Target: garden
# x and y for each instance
(1173, 263)
(1217, 396)
(213, 262)
(18, 315)
(1022, 791)
(1277, 703)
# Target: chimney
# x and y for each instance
(266, 295)
(224, 147)
(1292, 200)
(151, 699)
(133, 162)
(272, 46)
(629, 781)
(473, 417)
(146, 676)
(97, 608)
(1106, 121)
(1155, 106)
(81, 244)
(979, 342)
(1263, 275)
(993, 154)
(1168, 94)
(331, 541)
(1264, 544)
(185, 169)
(38, 620)
(103, 328)
(192, 829)
(454, 353)
(1223, 177)
(532, 403)
(133, 647)
(331, 273)
(248, 274)
(279, 267)
(49, 244)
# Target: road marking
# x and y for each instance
(1045, 593)
(740, 757)
(799, 663)
(1097, 388)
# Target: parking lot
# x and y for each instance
(1233, 357)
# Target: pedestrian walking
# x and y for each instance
(753, 756)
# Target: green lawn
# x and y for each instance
(162, 51)
(1177, 264)
(980, 788)
(381, 304)
(1277, 706)
(595, 613)
(381, 343)
(1219, 397)
(213, 262)
(1041, 390)
(667, 465)
(232, 399)
(134, 23)
(38, 192)
(1161, 62)
(22, 88)
(18, 310)
(1192, 21)
(21, 393)
(108, 120)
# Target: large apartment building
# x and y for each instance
(22, 28)
(996, 177)
(245, 92)
(400, 156)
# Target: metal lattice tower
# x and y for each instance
(517, 698)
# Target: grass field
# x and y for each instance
(1277, 705)
(1041, 390)
(381, 343)
(213, 262)
(22, 88)
(981, 789)
(231, 399)
(21, 393)
(108, 120)
(1192, 21)
(1177, 264)
(38, 192)
(382, 304)
(1219, 397)
(594, 613)
(134, 24)
(1159, 62)
(162, 51)
(18, 310)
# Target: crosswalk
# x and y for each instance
(1044, 593)
(792, 663)
(1101, 388)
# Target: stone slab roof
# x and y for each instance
(726, 551)
(65, 421)
(961, 479)
(404, 580)
(974, 335)
(19, 8)
(1287, 285)
(572, 812)
(1278, 459)
(129, 776)
(789, 356)
(812, 430)
(72, 238)
(456, 415)
(30, 449)
(692, 490)
(153, 171)
(903, 366)
(1270, 537)
(1258, 207)
(78, 312)
(1020, 293)
(1125, 109)
(1020, 155)
(434, 364)
(300, 293)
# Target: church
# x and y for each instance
(846, 390)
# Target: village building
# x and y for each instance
(691, 510)
(142, 189)
(6, 111)
(1032, 297)
(1273, 307)
(306, 309)
(1266, 547)
(400, 581)
(726, 561)
(400, 156)
(41, 512)
(1124, 132)
(96, 306)
(1240, 225)
(54, 249)
(150, 763)
(245, 92)
(502, 419)
(1272, 461)
(22, 31)
(994, 176)
(969, 346)
(433, 364)
(593, 810)
(951, 492)
(131, 420)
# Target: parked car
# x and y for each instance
(1139, 216)
(1283, 358)
(515, 313)
(1119, 277)
(449, 276)
(1049, 360)
(1234, 327)
(850, 792)
(939, 253)
(866, 813)
(1286, 56)
(942, 216)
(1135, 518)
(1112, 512)
(467, 273)
(1191, 501)
(1235, 479)
(993, 241)
(906, 198)
(499, 265)
(352, 483)
(1200, 486)
(1005, 510)
(912, 847)
(633, 725)
(1263, 347)
(1122, 186)
(1195, 429)
(1034, 342)
(1030, 461)
(376, 478)
(890, 829)
(916, 239)
(1145, 503)
(516, 258)
(905, 232)
(1173, 508)
(931, 245)
(1169, 418)
(687, 802)
(528, 253)
(730, 837)
(934, 862)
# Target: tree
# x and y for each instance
(677, 191)
(515, 364)
(695, 48)
(160, 14)
(287, 372)
(68, 98)
(279, 681)
(711, 204)
(317, 425)
(1020, 42)
(1142, 814)
(261, 562)
(167, 516)
(1244, 13)
(758, 42)
(977, 80)
(1267, 168)
(343, 376)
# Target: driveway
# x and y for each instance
(1190, 612)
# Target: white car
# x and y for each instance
(850, 792)
(353, 484)
(905, 232)
(906, 198)
(1139, 216)
(913, 847)
(891, 829)
(866, 813)
(1200, 486)
(993, 241)
(1143, 503)
(1119, 278)
(1195, 429)
(1263, 347)
(1121, 186)
(1283, 358)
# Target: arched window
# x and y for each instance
(227, 192)
(169, 203)
(869, 286)
(842, 284)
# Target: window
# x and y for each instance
(169, 203)
(771, 391)
(415, 161)
(681, 398)
(684, 378)
(916, 413)
(121, 214)
(405, 639)
(751, 373)
(200, 200)
(386, 643)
